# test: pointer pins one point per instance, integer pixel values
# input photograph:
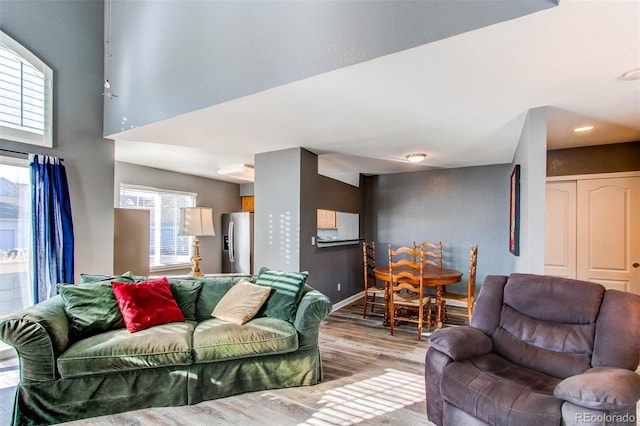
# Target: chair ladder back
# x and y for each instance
(471, 281)
(369, 253)
(405, 257)
(374, 294)
(431, 253)
(461, 306)
(406, 288)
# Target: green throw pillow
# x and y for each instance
(288, 286)
(91, 307)
(213, 289)
(186, 293)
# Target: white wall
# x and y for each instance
(531, 154)
(277, 215)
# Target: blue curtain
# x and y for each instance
(52, 226)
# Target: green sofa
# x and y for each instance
(64, 377)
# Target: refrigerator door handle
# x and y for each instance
(231, 244)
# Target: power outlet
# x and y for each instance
(339, 286)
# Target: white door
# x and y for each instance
(608, 232)
(560, 234)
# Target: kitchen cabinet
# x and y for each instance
(327, 219)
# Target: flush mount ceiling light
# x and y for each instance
(583, 129)
(242, 172)
(633, 74)
(416, 158)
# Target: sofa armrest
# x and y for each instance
(601, 388)
(38, 334)
(461, 343)
(312, 309)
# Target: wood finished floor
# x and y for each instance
(370, 378)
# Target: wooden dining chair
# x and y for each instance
(406, 289)
(431, 256)
(461, 306)
(431, 253)
(375, 294)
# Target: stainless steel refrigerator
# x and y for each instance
(237, 242)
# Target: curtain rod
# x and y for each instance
(23, 153)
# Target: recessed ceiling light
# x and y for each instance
(633, 74)
(583, 129)
(416, 158)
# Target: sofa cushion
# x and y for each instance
(91, 308)
(146, 304)
(213, 289)
(218, 340)
(567, 306)
(497, 391)
(288, 286)
(552, 334)
(119, 350)
(241, 303)
(561, 350)
(609, 349)
(186, 293)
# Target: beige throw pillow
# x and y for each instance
(241, 302)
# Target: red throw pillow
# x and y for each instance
(147, 303)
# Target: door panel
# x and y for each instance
(615, 285)
(560, 238)
(608, 216)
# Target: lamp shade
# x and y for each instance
(196, 221)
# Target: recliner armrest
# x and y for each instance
(461, 343)
(601, 388)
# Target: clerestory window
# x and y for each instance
(26, 95)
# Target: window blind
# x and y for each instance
(166, 247)
(26, 94)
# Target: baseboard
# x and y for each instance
(347, 301)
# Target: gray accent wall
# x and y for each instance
(174, 57)
(329, 266)
(222, 197)
(459, 207)
(531, 154)
(68, 36)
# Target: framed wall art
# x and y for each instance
(514, 212)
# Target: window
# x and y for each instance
(26, 95)
(15, 235)
(167, 248)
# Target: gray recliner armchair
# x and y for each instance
(540, 351)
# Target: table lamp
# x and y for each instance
(196, 222)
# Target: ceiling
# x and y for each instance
(461, 100)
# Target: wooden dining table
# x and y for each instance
(431, 276)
